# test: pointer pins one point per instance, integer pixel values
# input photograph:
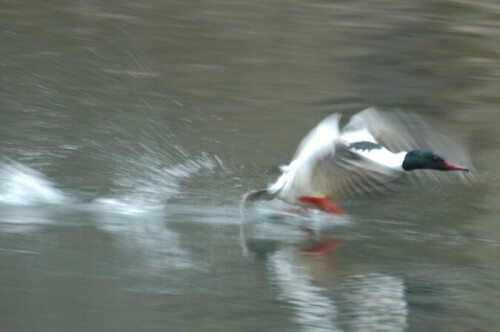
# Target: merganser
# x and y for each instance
(331, 163)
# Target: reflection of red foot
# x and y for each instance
(324, 204)
(325, 247)
(308, 231)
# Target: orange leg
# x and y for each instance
(324, 204)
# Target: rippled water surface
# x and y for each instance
(130, 130)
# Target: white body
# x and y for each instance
(328, 162)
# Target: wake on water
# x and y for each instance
(147, 189)
(136, 196)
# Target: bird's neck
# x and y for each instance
(397, 160)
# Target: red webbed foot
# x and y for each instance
(324, 204)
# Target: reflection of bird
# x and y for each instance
(331, 163)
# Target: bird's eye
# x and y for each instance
(435, 158)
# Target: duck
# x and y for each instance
(331, 163)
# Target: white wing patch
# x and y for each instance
(379, 155)
(384, 157)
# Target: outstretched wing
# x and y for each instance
(405, 131)
(349, 171)
(318, 144)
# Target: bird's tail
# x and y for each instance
(256, 195)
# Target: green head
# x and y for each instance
(420, 159)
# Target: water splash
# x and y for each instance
(145, 186)
(21, 185)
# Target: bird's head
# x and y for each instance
(420, 159)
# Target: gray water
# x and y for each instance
(130, 129)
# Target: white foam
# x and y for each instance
(141, 230)
(128, 205)
(21, 185)
(145, 187)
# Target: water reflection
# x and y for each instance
(150, 247)
(314, 311)
(375, 302)
(370, 302)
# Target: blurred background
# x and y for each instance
(130, 130)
